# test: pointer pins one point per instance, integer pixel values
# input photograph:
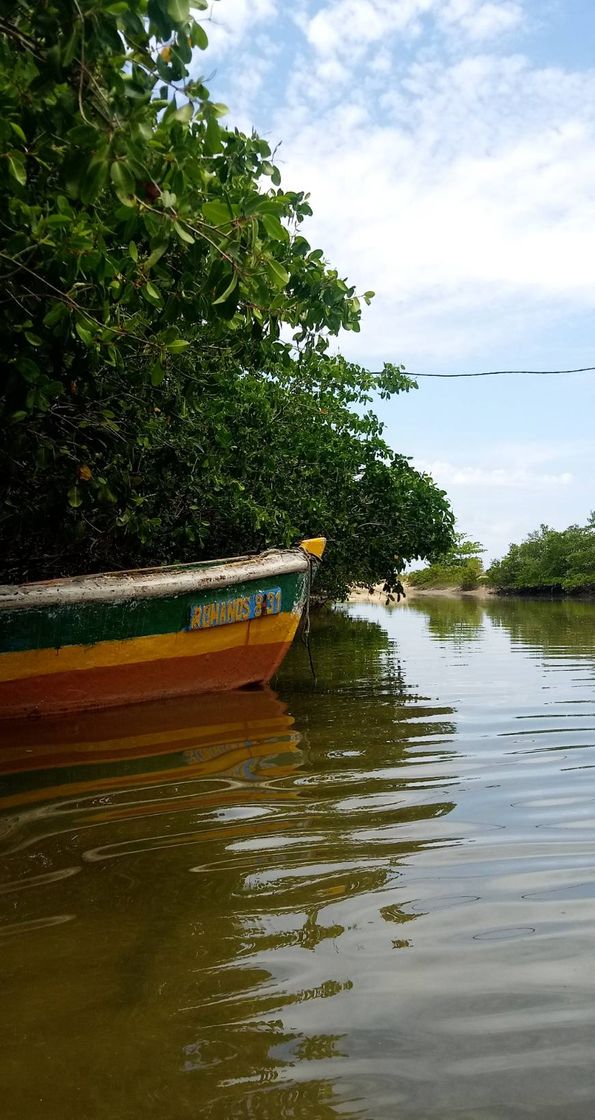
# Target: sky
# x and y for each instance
(448, 147)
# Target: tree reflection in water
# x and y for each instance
(457, 620)
(544, 624)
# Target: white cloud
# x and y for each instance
(239, 30)
(345, 26)
(455, 182)
(464, 190)
(230, 20)
(512, 487)
(451, 474)
(481, 21)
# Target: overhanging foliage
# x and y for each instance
(168, 390)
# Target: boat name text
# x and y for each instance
(221, 612)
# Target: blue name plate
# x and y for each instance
(242, 608)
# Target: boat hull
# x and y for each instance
(113, 640)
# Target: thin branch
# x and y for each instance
(82, 66)
(23, 40)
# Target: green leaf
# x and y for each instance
(184, 234)
(216, 213)
(16, 166)
(133, 251)
(57, 221)
(106, 495)
(85, 136)
(274, 228)
(29, 370)
(200, 38)
(151, 291)
(56, 313)
(143, 130)
(93, 179)
(84, 334)
(168, 335)
(33, 339)
(228, 290)
(177, 345)
(135, 93)
(257, 204)
(16, 128)
(213, 136)
(122, 179)
(69, 50)
(156, 255)
(276, 273)
(183, 50)
(179, 10)
(75, 498)
(157, 374)
(184, 114)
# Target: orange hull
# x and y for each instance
(124, 684)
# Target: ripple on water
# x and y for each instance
(370, 899)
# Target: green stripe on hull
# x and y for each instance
(87, 623)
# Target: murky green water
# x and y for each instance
(376, 899)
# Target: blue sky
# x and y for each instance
(449, 150)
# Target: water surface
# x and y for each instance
(373, 899)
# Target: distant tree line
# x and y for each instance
(460, 568)
(549, 560)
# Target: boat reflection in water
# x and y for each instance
(245, 736)
(102, 816)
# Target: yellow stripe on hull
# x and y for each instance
(271, 629)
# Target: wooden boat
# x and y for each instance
(105, 640)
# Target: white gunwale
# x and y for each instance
(151, 583)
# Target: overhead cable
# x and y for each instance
(501, 372)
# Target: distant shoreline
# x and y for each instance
(377, 595)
